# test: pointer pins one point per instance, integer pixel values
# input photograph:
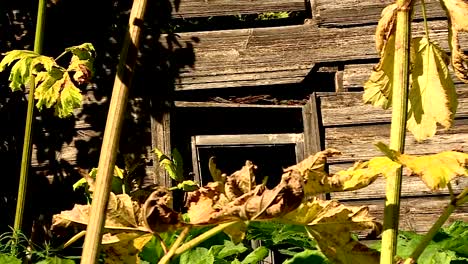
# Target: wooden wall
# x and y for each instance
(337, 38)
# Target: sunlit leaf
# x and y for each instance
(457, 12)
(236, 232)
(331, 223)
(157, 213)
(308, 256)
(82, 62)
(241, 181)
(187, 186)
(435, 170)
(432, 97)
(168, 164)
(8, 259)
(378, 89)
(216, 173)
(197, 256)
(56, 260)
(125, 248)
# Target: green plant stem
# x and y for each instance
(423, 10)
(436, 227)
(398, 129)
(112, 131)
(74, 239)
(167, 257)
(27, 142)
(194, 242)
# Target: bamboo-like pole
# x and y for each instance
(27, 141)
(398, 128)
(112, 134)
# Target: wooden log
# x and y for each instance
(417, 214)
(279, 55)
(340, 13)
(356, 142)
(348, 109)
(412, 186)
(207, 8)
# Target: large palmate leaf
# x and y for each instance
(457, 13)
(435, 170)
(317, 180)
(55, 87)
(331, 223)
(432, 97)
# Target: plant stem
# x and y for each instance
(167, 257)
(74, 239)
(436, 227)
(112, 131)
(398, 128)
(27, 142)
(194, 242)
(423, 10)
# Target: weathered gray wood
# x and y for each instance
(230, 105)
(356, 142)
(348, 109)
(412, 186)
(417, 214)
(247, 139)
(279, 55)
(161, 139)
(311, 127)
(207, 8)
(339, 13)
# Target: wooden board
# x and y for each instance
(339, 13)
(417, 214)
(207, 8)
(412, 186)
(356, 142)
(279, 55)
(348, 109)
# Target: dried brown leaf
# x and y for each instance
(385, 26)
(241, 181)
(124, 248)
(157, 213)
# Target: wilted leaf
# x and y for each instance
(331, 224)
(432, 97)
(317, 180)
(216, 174)
(378, 89)
(157, 214)
(435, 170)
(241, 181)
(120, 215)
(385, 26)
(82, 62)
(126, 249)
(457, 12)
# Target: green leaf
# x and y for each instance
(230, 249)
(168, 165)
(432, 97)
(178, 163)
(152, 252)
(8, 259)
(82, 62)
(198, 255)
(308, 256)
(256, 256)
(56, 260)
(80, 183)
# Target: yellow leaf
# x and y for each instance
(432, 98)
(457, 13)
(331, 223)
(435, 170)
(125, 248)
(317, 180)
(378, 89)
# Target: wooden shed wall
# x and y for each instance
(338, 39)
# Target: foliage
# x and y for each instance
(56, 86)
(450, 245)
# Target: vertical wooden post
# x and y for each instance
(112, 131)
(311, 127)
(161, 139)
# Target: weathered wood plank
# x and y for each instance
(412, 186)
(206, 8)
(417, 214)
(247, 139)
(349, 109)
(311, 126)
(260, 56)
(230, 105)
(339, 13)
(356, 142)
